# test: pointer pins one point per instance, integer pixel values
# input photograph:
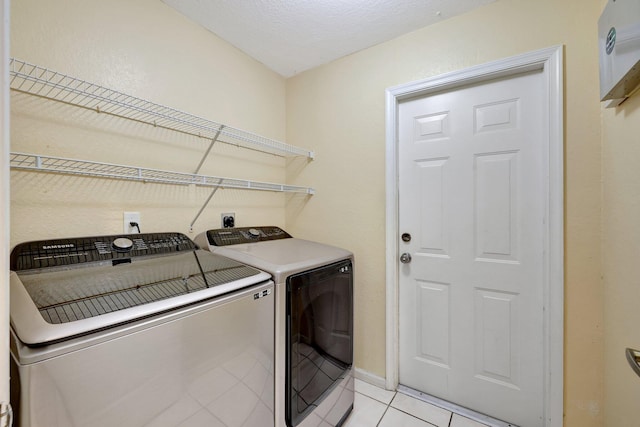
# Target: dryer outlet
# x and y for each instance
(228, 220)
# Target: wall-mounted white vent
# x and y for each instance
(619, 42)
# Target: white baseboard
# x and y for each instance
(370, 378)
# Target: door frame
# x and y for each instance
(550, 62)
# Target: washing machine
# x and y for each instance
(138, 330)
(313, 320)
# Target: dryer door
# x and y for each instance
(319, 336)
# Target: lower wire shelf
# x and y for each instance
(38, 163)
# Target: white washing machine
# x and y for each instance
(138, 330)
(313, 320)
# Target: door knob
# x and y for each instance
(405, 258)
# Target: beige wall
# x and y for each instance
(338, 109)
(146, 49)
(621, 256)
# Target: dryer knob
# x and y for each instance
(122, 244)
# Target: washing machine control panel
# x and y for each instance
(236, 236)
(79, 250)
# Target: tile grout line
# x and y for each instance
(388, 405)
(418, 418)
(383, 414)
(385, 409)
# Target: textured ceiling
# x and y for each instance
(291, 36)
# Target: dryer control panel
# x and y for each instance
(236, 236)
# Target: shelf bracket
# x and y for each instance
(206, 154)
(204, 206)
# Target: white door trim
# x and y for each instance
(550, 62)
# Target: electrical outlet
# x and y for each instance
(130, 217)
(228, 220)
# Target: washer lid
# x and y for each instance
(57, 302)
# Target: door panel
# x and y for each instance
(433, 238)
(433, 334)
(496, 193)
(472, 174)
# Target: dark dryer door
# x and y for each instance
(319, 336)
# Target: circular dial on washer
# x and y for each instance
(122, 244)
(254, 232)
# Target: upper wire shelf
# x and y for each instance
(42, 82)
(34, 162)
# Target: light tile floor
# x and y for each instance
(375, 407)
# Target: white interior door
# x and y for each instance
(473, 195)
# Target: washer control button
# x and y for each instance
(122, 244)
(254, 232)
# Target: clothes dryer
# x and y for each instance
(313, 320)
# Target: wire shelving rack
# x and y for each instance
(43, 82)
(52, 85)
(35, 162)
